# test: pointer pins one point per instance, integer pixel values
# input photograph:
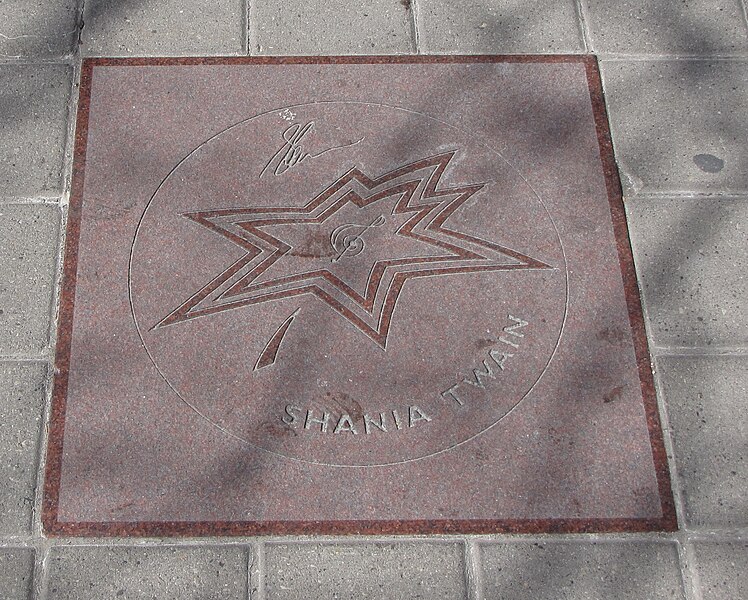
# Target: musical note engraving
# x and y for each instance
(347, 240)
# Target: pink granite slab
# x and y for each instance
(350, 295)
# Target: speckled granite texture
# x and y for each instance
(350, 295)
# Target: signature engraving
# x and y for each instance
(347, 240)
(291, 152)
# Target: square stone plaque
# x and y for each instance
(336, 295)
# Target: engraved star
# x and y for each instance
(353, 247)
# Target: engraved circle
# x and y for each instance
(474, 295)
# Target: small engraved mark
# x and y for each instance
(270, 352)
(291, 153)
(348, 241)
(287, 115)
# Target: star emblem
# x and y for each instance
(353, 247)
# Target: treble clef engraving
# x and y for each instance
(347, 239)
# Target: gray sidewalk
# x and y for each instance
(676, 81)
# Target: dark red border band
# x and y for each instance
(633, 300)
(53, 527)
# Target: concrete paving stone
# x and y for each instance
(501, 26)
(16, 573)
(183, 573)
(22, 394)
(28, 257)
(722, 569)
(679, 126)
(666, 26)
(324, 27)
(614, 570)
(163, 28)
(398, 570)
(33, 128)
(706, 406)
(692, 258)
(38, 28)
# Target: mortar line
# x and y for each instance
(54, 299)
(583, 27)
(652, 537)
(744, 6)
(41, 456)
(26, 200)
(27, 61)
(681, 195)
(605, 57)
(260, 548)
(41, 573)
(252, 44)
(26, 541)
(81, 24)
(245, 28)
(67, 164)
(675, 482)
(363, 540)
(473, 572)
(250, 565)
(37, 525)
(725, 534)
(689, 574)
(699, 350)
(414, 12)
(728, 535)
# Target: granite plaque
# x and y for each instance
(349, 295)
